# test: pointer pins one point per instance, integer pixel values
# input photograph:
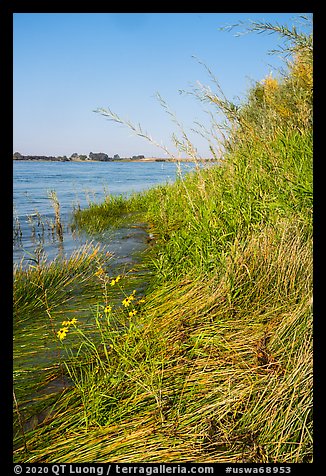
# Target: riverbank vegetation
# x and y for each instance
(212, 362)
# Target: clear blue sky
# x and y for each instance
(68, 64)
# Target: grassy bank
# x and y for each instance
(214, 363)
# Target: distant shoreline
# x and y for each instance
(146, 159)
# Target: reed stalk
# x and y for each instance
(56, 207)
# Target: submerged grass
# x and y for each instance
(215, 363)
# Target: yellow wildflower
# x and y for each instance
(107, 309)
(72, 322)
(62, 333)
(126, 302)
(132, 313)
(116, 280)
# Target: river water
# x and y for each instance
(77, 184)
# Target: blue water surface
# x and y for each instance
(78, 184)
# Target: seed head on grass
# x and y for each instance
(100, 272)
(94, 253)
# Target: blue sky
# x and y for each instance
(66, 65)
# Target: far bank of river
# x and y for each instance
(129, 160)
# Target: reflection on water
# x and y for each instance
(122, 243)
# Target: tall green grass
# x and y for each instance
(216, 364)
(113, 212)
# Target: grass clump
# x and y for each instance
(115, 211)
(215, 363)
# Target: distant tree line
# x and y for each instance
(99, 156)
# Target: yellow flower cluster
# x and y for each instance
(61, 334)
(116, 280)
(132, 313)
(72, 322)
(127, 301)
